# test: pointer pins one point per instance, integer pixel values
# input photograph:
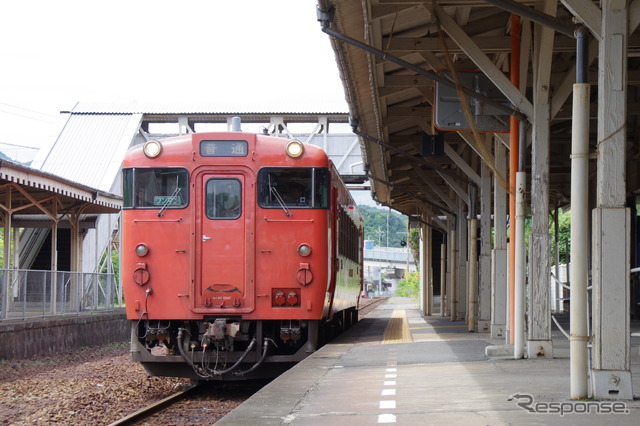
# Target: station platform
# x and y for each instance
(397, 366)
(24, 338)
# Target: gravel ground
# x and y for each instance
(92, 385)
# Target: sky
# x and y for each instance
(57, 53)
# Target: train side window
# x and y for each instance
(223, 198)
(348, 236)
(157, 188)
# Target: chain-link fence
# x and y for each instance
(30, 293)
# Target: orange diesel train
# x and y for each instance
(241, 254)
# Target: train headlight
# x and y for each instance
(152, 149)
(304, 249)
(294, 148)
(142, 249)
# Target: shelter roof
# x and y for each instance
(29, 191)
(395, 104)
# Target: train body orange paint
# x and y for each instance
(238, 258)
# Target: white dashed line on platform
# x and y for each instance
(387, 418)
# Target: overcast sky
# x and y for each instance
(56, 53)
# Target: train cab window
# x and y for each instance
(293, 187)
(223, 198)
(155, 188)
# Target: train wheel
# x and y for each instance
(340, 325)
(323, 333)
(348, 319)
(352, 315)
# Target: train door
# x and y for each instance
(224, 267)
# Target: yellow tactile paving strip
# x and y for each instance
(397, 330)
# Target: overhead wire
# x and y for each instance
(27, 109)
(27, 117)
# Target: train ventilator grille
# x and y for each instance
(397, 330)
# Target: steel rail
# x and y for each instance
(156, 407)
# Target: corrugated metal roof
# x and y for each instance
(212, 107)
(94, 140)
(90, 148)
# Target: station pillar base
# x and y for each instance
(611, 385)
(498, 331)
(539, 349)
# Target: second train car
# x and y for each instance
(241, 254)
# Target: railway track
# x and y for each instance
(208, 402)
(203, 403)
(156, 407)
(368, 305)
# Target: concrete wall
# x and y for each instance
(47, 336)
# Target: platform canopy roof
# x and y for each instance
(28, 192)
(394, 103)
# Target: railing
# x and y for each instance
(31, 294)
(566, 285)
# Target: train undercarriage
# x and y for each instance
(229, 348)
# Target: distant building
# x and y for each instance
(384, 267)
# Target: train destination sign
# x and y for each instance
(223, 148)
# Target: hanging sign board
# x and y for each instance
(448, 112)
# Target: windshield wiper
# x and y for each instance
(168, 201)
(274, 192)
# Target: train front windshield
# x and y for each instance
(155, 188)
(293, 187)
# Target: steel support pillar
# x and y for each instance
(461, 284)
(425, 293)
(472, 280)
(539, 343)
(452, 263)
(484, 283)
(499, 258)
(443, 278)
(611, 374)
(520, 273)
(6, 290)
(428, 233)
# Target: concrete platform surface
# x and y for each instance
(437, 374)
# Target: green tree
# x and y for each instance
(115, 262)
(409, 286)
(375, 226)
(414, 243)
(564, 236)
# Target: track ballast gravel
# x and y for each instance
(91, 385)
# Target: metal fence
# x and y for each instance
(30, 293)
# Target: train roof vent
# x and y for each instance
(236, 125)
